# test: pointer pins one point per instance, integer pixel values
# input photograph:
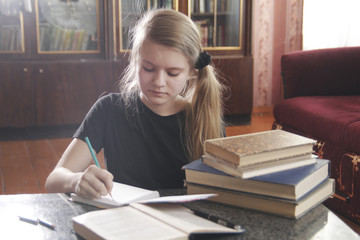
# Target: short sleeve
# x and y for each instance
(94, 124)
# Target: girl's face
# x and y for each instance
(163, 72)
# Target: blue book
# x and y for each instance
(290, 184)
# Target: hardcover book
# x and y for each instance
(254, 148)
(290, 184)
(146, 221)
(281, 207)
(260, 168)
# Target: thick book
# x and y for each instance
(145, 221)
(123, 194)
(290, 184)
(281, 207)
(254, 148)
(260, 168)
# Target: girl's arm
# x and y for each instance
(75, 173)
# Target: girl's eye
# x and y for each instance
(148, 69)
(173, 74)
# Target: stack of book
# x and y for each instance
(272, 171)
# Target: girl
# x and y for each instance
(169, 104)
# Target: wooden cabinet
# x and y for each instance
(65, 91)
(58, 57)
(53, 61)
(51, 93)
(238, 106)
(16, 94)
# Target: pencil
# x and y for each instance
(94, 156)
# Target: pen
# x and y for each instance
(47, 224)
(92, 151)
(37, 221)
(217, 220)
(94, 156)
(34, 221)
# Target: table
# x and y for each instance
(320, 223)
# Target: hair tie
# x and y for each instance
(203, 60)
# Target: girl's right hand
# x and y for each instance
(94, 182)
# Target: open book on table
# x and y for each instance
(123, 194)
(146, 221)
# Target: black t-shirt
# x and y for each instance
(143, 150)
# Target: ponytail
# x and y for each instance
(204, 116)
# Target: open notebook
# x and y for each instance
(123, 194)
(146, 221)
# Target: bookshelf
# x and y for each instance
(218, 22)
(11, 30)
(53, 29)
(68, 26)
(60, 56)
(11, 34)
(130, 12)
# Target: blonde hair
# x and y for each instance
(203, 114)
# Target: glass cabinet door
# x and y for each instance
(67, 26)
(130, 12)
(219, 22)
(11, 27)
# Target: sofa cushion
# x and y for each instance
(335, 119)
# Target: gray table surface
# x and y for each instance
(319, 223)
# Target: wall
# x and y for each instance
(277, 27)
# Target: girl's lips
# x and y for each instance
(157, 92)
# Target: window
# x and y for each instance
(331, 23)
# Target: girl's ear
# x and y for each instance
(191, 79)
(193, 74)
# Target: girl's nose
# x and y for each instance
(160, 79)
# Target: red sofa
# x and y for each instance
(322, 101)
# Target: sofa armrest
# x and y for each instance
(323, 72)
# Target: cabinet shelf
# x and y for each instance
(130, 12)
(219, 22)
(11, 33)
(67, 26)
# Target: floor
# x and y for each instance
(26, 161)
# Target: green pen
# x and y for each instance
(92, 151)
(93, 155)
